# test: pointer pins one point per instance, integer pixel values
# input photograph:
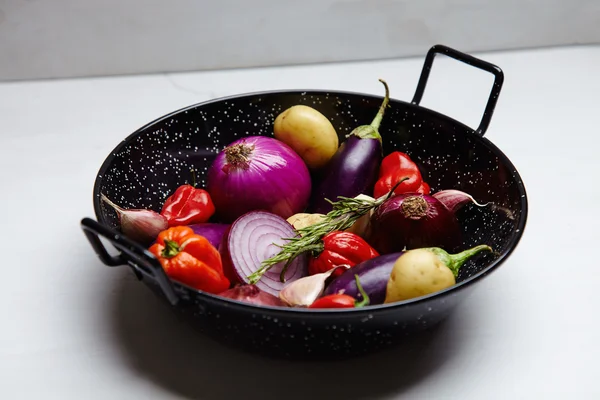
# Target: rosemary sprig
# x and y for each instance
(346, 211)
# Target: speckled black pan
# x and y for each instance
(148, 165)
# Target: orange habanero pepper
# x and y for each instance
(190, 259)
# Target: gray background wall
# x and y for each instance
(73, 38)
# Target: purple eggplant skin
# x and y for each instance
(213, 232)
(373, 275)
(353, 170)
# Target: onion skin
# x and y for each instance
(373, 274)
(252, 295)
(258, 173)
(454, 200)
(213, 232)
(413, 220)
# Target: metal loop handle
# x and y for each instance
(131, 253)
(470, 60)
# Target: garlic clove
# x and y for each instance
(304, 291)
(140, 225)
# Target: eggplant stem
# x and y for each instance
(377, 120)
(365, 301)
(455, 261)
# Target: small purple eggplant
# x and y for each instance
(354, 168)
(373, 275)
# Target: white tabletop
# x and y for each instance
(73, 328)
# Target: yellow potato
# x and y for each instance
(417, 273)
(302, 220)
(309, 133)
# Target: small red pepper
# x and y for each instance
(334, 301)
(342, 300)
(188, 205)
(340, 248)
(395, 167)
(190, 259)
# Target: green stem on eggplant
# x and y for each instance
(372, 131)
(377, 120)
(365, 301)
(455, 261)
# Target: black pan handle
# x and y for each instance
(467, 59)
(131, 253)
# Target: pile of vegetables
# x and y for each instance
(301, 220)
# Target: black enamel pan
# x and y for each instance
(149, 164)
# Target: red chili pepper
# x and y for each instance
(395, 167)
(188, 205)
(340, 249)
(342, 300)
(334, 301)
(190, 259)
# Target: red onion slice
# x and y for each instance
(253, 238)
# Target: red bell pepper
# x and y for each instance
(190, 259)
(188, 205)
(395, 167)
(340, 248)
(342, 300)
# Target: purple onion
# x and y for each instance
(258, 173)
(412, 220)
